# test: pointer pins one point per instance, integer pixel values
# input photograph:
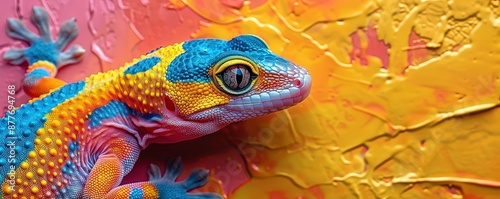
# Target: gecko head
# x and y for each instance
(215, 82)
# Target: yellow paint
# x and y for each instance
(420, 128)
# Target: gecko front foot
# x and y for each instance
(169, 188)
(43, 47)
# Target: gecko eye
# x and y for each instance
(235, 76)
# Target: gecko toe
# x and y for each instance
(67, 33)
(71, 56)
(154, 172)
(197, 178)
(17, 30)
(174, 168)
(14, 56)
(40, 18)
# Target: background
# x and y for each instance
(404, 101)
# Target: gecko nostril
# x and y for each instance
(297, 82)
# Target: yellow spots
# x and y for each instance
(51, 164)
(40, 171)
(32, 154)
(43, 183)
(20, 191)
(53, 152)
(29, 175)
(34, 190)
(67, 131)
(193, 97)
(55, 124)
(63, 115)
(24, 165)
(47, 140)
(80, 109)
(6, 189)
(58, 142)
(38, 141)
(42, 161)
(42, 153)
(60, 161)
(86, 102)
(55, 174)
(40, 132)
(51, 131)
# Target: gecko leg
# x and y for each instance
(165, 186)
(44, 55)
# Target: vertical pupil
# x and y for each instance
(239, 75)
(236, 77)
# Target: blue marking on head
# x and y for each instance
(201, 54)
(117, 109)
(193, 64)
(28, 119)
(41, 51)
(247, 43)
(142, 65)
(136, 193)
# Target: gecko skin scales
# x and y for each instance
(78, 140)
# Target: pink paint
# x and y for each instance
(375, 47)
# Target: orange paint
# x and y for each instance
(395, 124)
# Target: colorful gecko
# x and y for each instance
(79, 140)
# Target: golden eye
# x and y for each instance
(235, 75)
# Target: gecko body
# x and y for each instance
(78, 140)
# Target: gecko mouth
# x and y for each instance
(274, 100)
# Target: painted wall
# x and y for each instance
(404, 101)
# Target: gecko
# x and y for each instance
(79, 139)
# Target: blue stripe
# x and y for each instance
(116, 109)
(143, 65)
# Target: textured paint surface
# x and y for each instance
(404, 99)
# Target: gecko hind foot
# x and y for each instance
(172, 189)
(43, 47)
